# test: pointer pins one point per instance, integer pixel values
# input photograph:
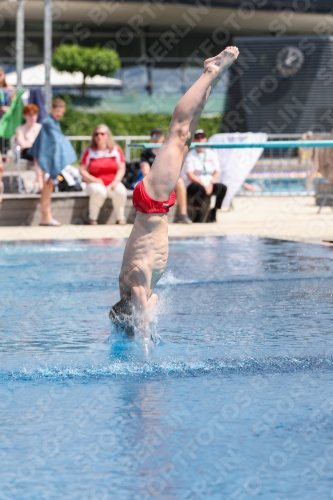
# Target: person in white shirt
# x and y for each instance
(203, 171)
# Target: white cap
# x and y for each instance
(200, 131)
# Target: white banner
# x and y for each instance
(236, 163)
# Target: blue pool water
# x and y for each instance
(283, 185)
(233, 402)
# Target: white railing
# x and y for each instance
(123, 140)
(268, 168)
(13, 153)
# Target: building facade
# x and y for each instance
(163, 43)
(156, 36)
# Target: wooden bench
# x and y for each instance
(324, 195)
(67, 207)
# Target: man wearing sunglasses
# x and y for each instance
(203, 171)
(146, 252)
(147, 159)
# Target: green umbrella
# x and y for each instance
(13, 117)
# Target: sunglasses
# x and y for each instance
(96, 134)
(199, 136)
(156, 136)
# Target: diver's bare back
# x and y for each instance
(145, 255)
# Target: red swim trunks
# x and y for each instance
(144, 203)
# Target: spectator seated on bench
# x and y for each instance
(203, 171)
(103, 169)
(321, 161)
(132, 173)
(321, 158)
(26, 135)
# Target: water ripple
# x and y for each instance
(177, 368)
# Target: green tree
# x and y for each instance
(90, 61)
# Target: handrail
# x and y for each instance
(127, 138)
(141, 141)
(116, 137)
(246, 145)
(144, 137)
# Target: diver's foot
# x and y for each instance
(219, 64)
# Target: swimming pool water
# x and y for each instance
(233, 402)
(287, 185)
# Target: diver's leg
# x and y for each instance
(163, 176)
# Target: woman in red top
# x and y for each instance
(103, 168)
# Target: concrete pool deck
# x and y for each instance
(284, 217)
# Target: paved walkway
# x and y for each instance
(291, 218)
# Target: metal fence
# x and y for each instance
(19, 175)
(279, 171)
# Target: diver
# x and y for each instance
(146, 253)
